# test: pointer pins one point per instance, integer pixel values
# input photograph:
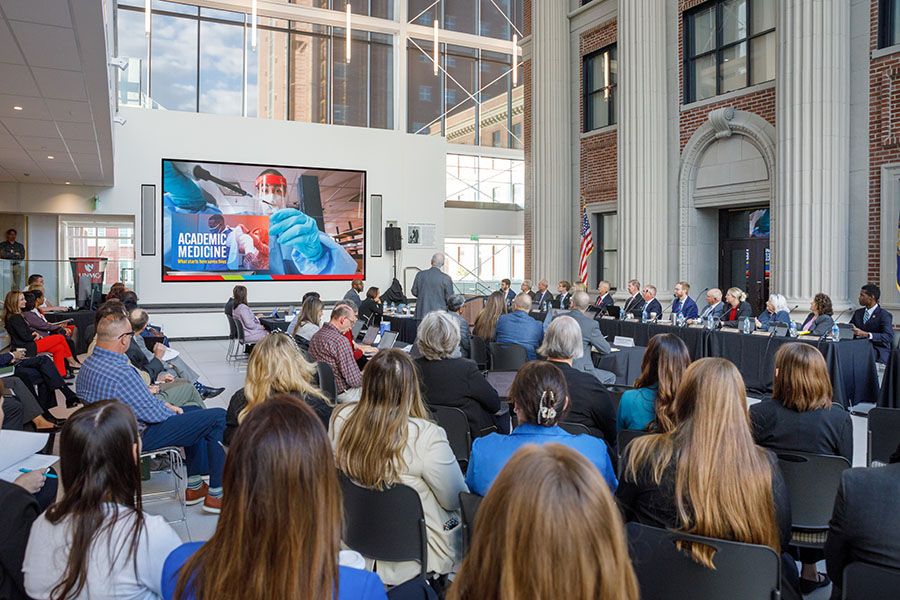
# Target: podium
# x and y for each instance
(88, 274)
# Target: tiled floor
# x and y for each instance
(207, 358)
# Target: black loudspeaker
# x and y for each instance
(393, 239)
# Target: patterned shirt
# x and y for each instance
(331, 347)
(107, 375)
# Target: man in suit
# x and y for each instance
(635, 304)
(683, 303)
(714, 306)
(508, 294)
(526, 288)
(874, 323)
(356, 286)
(604, 298)
(543, 298)
(651, 304)
(564, 300)
(432, 288)
(591, 337)
(865, 525)
(518, 327)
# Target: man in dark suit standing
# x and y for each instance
(542, 297)
(874, 323)
(432, 288)
(651, 304)
(509, 295)
(635, 304)
(604, 298)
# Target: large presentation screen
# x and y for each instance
(229, 221)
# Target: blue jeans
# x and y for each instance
(199, 430)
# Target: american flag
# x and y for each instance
(587, 244)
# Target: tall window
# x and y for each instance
(485, 179)
(489, 259)
(888, 23)
(111, 239)
(729, 45)
(600, 76)
(607, 248)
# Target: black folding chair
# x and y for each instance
(479, 353)
(863, 581)
(326, 380)
(232, 337)
(386, 525)
(469, 504)
(507, 357)
(454, 421)
(743, 571)
(241, 346)
(574, 428)
(616, 391)
(812, 482)
(883, 435)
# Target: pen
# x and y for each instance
(51, 475)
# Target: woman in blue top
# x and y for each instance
(649, 405)
(541, 400)
(279, 532)
(776, 312)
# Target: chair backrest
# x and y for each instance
(326, 380)
(232, 328)
(624, 437)
(454, 421)
(575, 428)
(616, 391)
(507, 357)
(387, 525)
(468, 504)
(743, 571)
(478, 352)
(239, 328)
(812, 482)
(883, 434)
(863, 581)
(896, 342)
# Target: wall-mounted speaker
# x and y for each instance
(393, 239)
(148, 220)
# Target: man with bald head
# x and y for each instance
(518, 327)
(714, 306)
(432, 288)
(543, 298)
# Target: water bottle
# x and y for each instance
(835, 333)
(709, 321)
(681, 319)
(393, 307)
(793, 330)
(644, 314)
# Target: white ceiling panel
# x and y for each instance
(9, 51)
(10, 154)
(8, 141)
(35, 178)
(43, 160)
(32, 108)
(53, 144)
(82, 146)
(69, 110)
(47, 46)
(64, 85)
(77, 131)
(30, 127)
(47, 12)
(17, 80)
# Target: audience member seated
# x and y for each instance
(253, 329)
(36, 284)
(308, 322)
(486, 321)
(648, 407)
(865, 525)
(543, 298)
(820, 320)
(776, 312)
(589, 401)
(284, 503)
(106, 374)
(40, 373)
(800, 417)
(874, 323)
(564, 300)
(706, 476)
(96, 541)
(116, 291)
(456, 382)
(651, 304)
(22, 336)
(276, 365)
(541, 401)
(20, 508)
(604, 298)
(356, 286)
(330, 346)
(386, 438)
(28, 409)
(518, 327)
(579, 286)
(635, 303)
(548, 528)
(455, 307)
(44, 328)
(736, 306)
(714, 305)
(153, 363)
(684, 304)
(370, 309)
(591, 337)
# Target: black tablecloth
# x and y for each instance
(274, 323)
(626, 363)
(82, 319)
(890, 385)
(406, 327)
(695, 338)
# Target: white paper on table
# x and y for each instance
(31, 463)
(170, 354)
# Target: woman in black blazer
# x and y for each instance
(22, 336)
(451, 381)
(736, 306)
(820, 320)
(370, 309)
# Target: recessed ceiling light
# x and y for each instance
(50, 157)
(18, 108)
(68, 183)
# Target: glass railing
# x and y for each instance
(92, 274)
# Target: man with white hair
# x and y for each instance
(518, 327)
(432, 288)
(714, 306)
(591, 337)
(526, 288)
(543, 297)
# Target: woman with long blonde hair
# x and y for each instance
(309, 320)
(276, 365)
(548, 528)
(387, 438)
(707, 476)
(736, 306)
(486, 321)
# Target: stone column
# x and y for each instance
(553, 226)
(643, 160)
(812, 120)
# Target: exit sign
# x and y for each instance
(474, 238)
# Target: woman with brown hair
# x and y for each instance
(706, 476)
(253, 329)
(486, 321)
(22, 336)
(386, 438)
(278, 535)
(801, 418)
(649, 405)
(820, 318)
(521, 552)
(370, 309)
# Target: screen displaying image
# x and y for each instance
(261, 222)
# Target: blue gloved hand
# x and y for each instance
(182, 191)
(298, 231)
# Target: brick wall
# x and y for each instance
(598, 179)
(761, 103)
(526, 17)
(526, 143)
